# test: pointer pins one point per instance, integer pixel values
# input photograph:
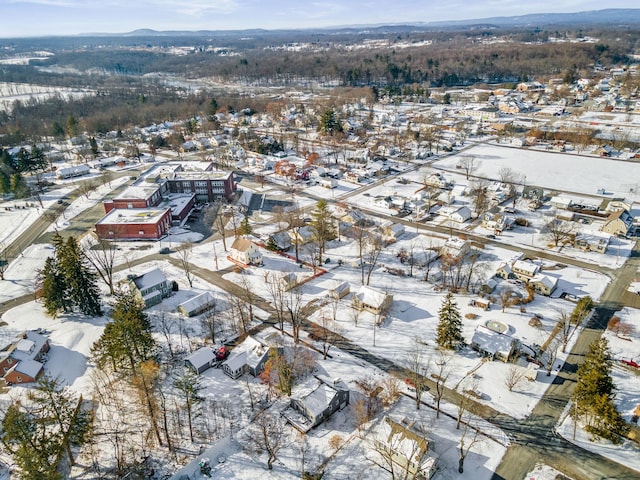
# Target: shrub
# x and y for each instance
(535, 322)
(471, 316)
(614, 323)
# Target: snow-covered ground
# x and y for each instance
(556, 171)
(624, 345)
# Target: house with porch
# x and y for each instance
(151, 286)
(246, 252)
(406, 446)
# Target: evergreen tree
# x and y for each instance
(53, 288)
(328, 123)
(94, 147)
(38, 433)
(212, 107)
(71, 126)
(126, 341)
(322, 226)
(18, 186)
(594, 394)
(245, 228)
(272, 245)
(81, 281)
(449, 332)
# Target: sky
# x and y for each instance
(26, 18)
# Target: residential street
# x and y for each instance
(534, 439)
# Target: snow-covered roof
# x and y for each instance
(28, 367)
(202, 356)
(525, 267)
(370, 296)
(28, 346)
(199, 301)
(150, 278)
(492, 342)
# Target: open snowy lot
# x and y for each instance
(556, 171)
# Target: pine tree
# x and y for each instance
(127, 340)
(272, 245)
(53, 288)
(449, 332)
(595, 391)
(245, 228)
(322, 226)
(81, 281)
(40, 432)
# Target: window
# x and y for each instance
(141, 232)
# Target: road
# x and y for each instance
(533, 440)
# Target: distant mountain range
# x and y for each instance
(611, 16)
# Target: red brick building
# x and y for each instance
(207, 186)
(134, 224)
(138, 196)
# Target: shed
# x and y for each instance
(201, 359)
(196, 305)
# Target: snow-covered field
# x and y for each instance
(555, 171)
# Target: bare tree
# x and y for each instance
(464, 400)
(469, 165)
(507, 298)
(354, 313)
(166, 325)
(277, 292)
(268, 434)
(374, 248)
(479, 197)
(85, 188)
(296, 313)
(550, 354)
(323, 333)
(209, 320)
(440, 374)
(470, 436)
(513, 377)
(418, 366)
(184, 257)
(219, 222)
(559, 231)
(102, 257)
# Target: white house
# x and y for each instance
(250, 356)
(492, 344)
(245, 251)
(436, 179)
(461, 215)
(371, 300)
(407, 447)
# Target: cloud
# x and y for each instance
(177, 6)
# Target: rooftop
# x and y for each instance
(136, 216)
